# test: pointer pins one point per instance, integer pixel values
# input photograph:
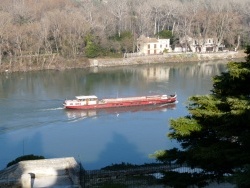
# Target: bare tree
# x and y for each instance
(186, 18)
(119, 9)
(5, 24)
(143, 18)
(34, 27)
(243, 9)
(76, 27)
(224, 22)
(169, 11)
(162, 14)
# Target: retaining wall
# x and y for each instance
(167, 57)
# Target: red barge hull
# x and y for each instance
(92, 102)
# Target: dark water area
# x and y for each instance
(33, 120)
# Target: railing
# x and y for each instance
(133, 177)
(7, 180)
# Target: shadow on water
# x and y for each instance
(118, 150)
(34, 145)
(23, 146)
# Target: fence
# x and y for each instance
(147, 176)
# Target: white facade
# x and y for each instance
(199, 45)
(152, 46)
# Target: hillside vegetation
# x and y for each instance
(47, 33)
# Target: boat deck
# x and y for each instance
(127, 99)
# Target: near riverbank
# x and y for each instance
(55, 62)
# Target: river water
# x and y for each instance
(33, 120)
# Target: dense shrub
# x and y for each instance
(25, 158)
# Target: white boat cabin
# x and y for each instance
(87, 100)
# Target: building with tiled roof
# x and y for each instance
(152, 46)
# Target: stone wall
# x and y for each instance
(166, 57)
(42, 173)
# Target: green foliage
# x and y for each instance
(121, 166)
(25, 158)
(127, 166)
(183, 180)
(215, 135)
(183, 126)
(113, 185)
(247, 51)
(241, 177)
(125, 41)
(165, 34)
(123, 36)
(92, 50)
(165, 51)
(233, 83)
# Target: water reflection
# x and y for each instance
(46, 85)
(73, 114)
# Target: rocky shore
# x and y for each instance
(59, 63)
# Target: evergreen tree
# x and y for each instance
(215, 135)
(25, 158)
(92, 50)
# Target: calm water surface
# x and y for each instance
(33, 120)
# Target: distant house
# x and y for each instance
(199, 45)
(152, 46)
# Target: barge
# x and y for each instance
(92, 101)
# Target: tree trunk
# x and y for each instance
(238, 43)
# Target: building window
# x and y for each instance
(155, 46)
(148, 46)
(166, 45)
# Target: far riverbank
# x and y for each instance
(55, 62)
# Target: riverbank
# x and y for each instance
(167, 57)
(56, 62)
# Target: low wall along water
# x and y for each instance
(166, 57)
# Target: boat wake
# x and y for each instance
(52, 109)
(76, 119)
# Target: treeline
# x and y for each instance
(92, 28)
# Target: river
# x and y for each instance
(33, 120)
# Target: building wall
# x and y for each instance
(199, 44)
(157, 47)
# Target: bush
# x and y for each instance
(24, 158)
(165, 50)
